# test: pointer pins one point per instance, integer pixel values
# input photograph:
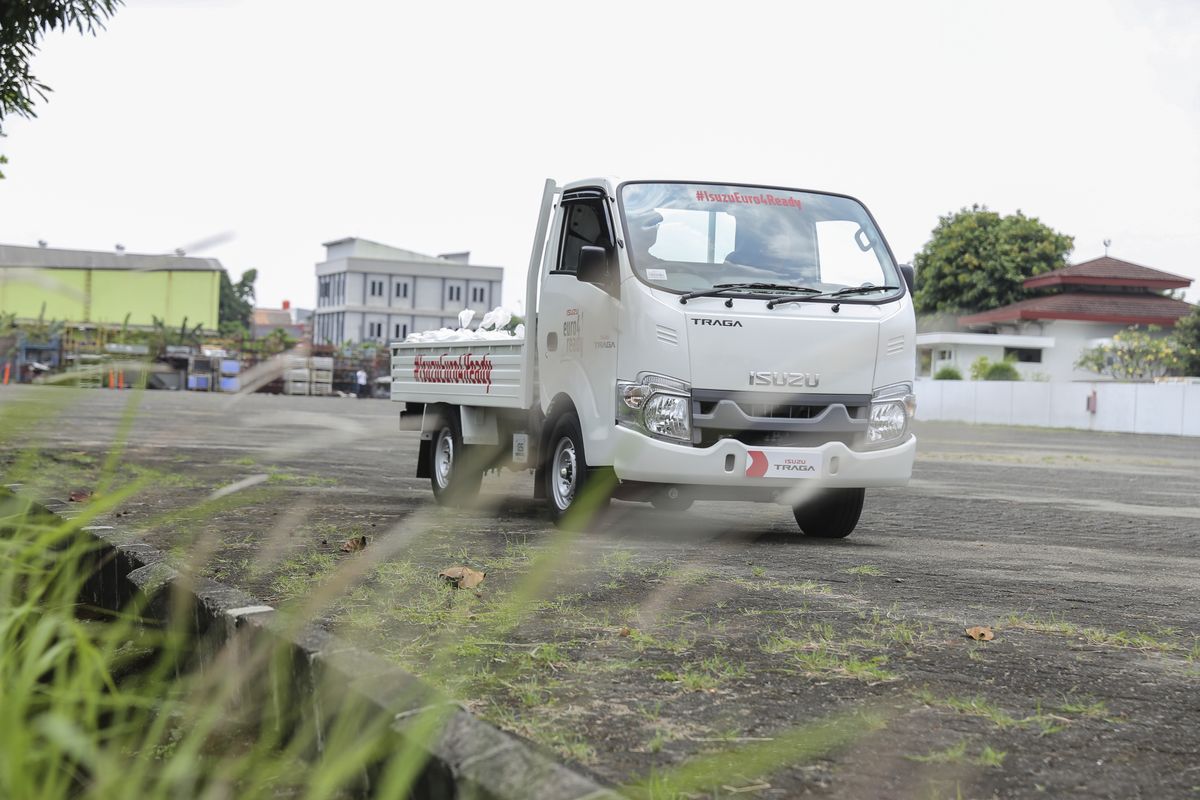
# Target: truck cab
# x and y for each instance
(702, 340)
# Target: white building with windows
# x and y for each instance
(371, 292)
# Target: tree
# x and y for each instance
(1187, 340)
(977, 260)
(236, 304)
(22, 26)
(1134, 355)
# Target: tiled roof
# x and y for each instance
(1125, 309)
(1107, 271)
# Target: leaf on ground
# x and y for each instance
(79, 495)
(462, 577)
(354, 544)
(981, 633)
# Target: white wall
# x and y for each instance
(429, 293)
(1163, 408)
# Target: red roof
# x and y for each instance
(1124, 309)
(1106, 271)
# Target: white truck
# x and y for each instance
(684, 340)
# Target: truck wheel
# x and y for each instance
(663, 501)
(831, 514)
(571, 494)
(454, 479)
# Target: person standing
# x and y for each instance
(360, 378)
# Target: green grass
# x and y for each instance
(865, 569)
(958, 754)
(1163, 640)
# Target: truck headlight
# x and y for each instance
(891, 409)
(657, 405)
(669, 415)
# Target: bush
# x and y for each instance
(1001, 371)
(984, 369)
(948, 374)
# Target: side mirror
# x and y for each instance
(906, 270)
(593, 265)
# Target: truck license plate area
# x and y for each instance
(779, 463)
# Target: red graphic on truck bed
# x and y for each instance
(454, 369)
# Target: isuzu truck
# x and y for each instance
(683, 341)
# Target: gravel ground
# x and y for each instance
(715, 636)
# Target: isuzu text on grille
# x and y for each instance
(810, 379)
(457, 369)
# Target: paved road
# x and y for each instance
(661, 637)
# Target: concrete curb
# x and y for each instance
(467, 757)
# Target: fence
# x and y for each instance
(1164, 408)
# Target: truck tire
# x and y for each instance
(663, 501)
(571, 494)
(453, 476)
(831, 514)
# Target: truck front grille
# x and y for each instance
(767, 419)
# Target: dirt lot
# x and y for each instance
(836, 669)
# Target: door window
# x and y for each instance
(585, 223)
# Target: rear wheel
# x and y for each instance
(831, 514)
(571, 491)
(455, 480)
(671, 500)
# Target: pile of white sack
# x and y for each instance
(494, 325)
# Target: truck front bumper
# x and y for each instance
(729, 463)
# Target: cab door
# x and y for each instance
(577, 319)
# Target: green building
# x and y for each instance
(82, 287)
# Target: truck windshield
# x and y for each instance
(686, 237)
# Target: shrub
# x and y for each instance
(948, 373)
(1001, 371)
(984, 369)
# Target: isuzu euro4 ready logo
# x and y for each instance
(466, 368)
(764, 199)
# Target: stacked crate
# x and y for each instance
(230, 380)
(321, 371)
(200, 373)
(296, 375)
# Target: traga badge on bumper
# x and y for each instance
(782, 464)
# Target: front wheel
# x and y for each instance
(831, 513)
(454, 479)
(573, 493)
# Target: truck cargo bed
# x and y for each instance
(474, 373)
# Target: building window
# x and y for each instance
(945, 355)
(401, 330)
(455, 293)
(1025, 355)
(477, 294)
(376, 289)
(375, 330)
(401, 290)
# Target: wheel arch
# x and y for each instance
(433, 417)
(560, 405)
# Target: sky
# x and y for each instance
(432, 126)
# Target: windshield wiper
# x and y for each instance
(862, 290)
(775, 301)
(721, 288)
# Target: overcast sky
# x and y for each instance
(431, 126)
